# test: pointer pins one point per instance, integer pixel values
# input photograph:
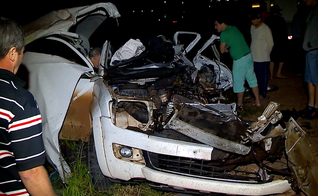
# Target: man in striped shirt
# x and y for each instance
(22, 153)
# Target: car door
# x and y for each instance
(59, 77)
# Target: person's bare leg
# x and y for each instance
(311, 95)
(271, 69)
(255, 91)
(316, 96)
(240, 98)
(279, 71)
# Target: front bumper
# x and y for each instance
(215, 186)
(123, 170)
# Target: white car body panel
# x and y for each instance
(54, 106)
(277, 186)
(222, 71)
(191, 45)
(60, 90)
(106, 133)
(53, 100)
(60, 21)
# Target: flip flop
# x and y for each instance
(257, 106)
(281, 77)
(247, 98)
(239, 108)
(271, 89)
(261, 97)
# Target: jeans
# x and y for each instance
(261, 70)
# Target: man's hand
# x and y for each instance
(37, 182)
(223, 48)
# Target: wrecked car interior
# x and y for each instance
(157, 116)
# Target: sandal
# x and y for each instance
(257, 106)
(239, 108)
(247, 98)
(281, 77)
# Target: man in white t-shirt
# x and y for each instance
(261, 47)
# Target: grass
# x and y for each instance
(79, 184)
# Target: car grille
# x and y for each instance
(197, 168)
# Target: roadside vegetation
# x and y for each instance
(79, 184)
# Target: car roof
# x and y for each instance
(60, 21)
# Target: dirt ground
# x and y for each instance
(291, 94)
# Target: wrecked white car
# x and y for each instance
(156, 116)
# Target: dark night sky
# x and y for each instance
(26, 11)
(196, 14)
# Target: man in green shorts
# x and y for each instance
(232, 41)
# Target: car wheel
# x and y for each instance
(100, 182)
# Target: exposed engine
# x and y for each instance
(177, 101)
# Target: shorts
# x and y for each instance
(311, 71)
(243, 68)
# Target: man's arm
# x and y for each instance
(223, 47)
(269, 39)
(37, 182)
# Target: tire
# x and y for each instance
(99, 181)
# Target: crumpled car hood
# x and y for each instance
(61, 20)
(52, 81)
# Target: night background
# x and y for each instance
(149, 17)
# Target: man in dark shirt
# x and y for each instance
(310, 45)
(278, 26)
(22, 153)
